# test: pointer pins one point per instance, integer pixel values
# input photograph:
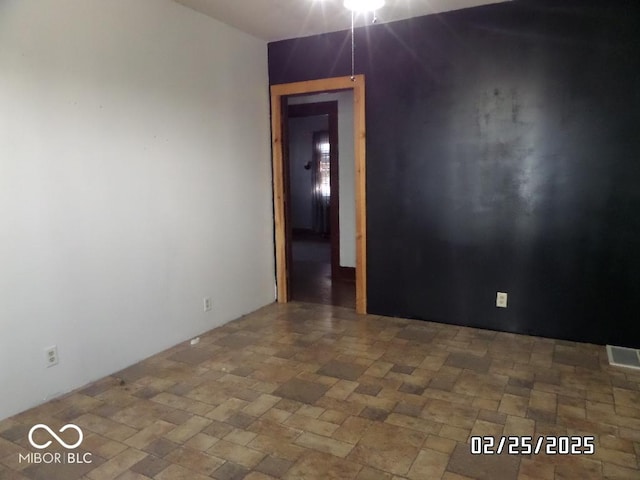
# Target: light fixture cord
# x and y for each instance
(353, 47)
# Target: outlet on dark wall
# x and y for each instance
(502, 155)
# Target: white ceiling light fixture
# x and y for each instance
(363, 5)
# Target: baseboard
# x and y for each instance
(346, 274)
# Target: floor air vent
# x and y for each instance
(623, 357)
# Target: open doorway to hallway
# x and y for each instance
(280, 94)
(321, 199)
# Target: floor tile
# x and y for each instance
(483, 467)
(304, 391)
(150, 466)
(345, 371)
(301, 391)
(322, 466)
(274, 466)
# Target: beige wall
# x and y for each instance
(134, 181)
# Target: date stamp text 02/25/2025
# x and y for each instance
(525, 445)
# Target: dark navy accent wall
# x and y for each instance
(503, 154)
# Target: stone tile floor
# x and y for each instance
(303, 391)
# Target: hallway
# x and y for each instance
(311, 274)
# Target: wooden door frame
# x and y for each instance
(278, 95)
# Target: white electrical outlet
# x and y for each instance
(501, 300)
(207, 303)
(51, 356)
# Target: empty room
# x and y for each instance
(319, 239)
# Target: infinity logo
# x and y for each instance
(53, 434)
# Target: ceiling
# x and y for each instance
(274, 20)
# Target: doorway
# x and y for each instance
(279, 105)
(320, 227)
